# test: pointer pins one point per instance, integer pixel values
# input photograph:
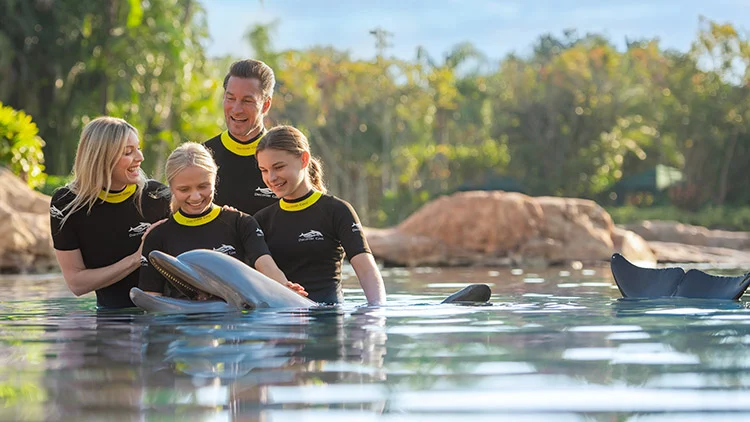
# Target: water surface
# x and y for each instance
(554, 345)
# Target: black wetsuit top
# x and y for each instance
(239, 182)
(308, 238)
(109, 233)
(233, 233)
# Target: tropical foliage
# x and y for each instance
(571, 118)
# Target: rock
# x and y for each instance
(682, 253)
(500, 228)
(25, 239)
(633, 246)
(674, 232)
(485, 222)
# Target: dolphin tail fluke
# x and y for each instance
(698, 284)
(470, 294)
(152, 303)
(637, 282)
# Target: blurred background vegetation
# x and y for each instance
(577, 117)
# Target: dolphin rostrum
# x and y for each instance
(216, 282)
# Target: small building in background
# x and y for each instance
(646, 188)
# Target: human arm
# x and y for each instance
(266, 265)
(369, 278)
(149, 279)
(82, 280)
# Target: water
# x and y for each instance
(554, 345)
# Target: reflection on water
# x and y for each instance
(554, 345)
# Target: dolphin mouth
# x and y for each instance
(181, 276)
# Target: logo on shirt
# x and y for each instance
(264, 192)
(356, 228)
(227, 249)
(311, 235)
(55, 213)
(139, 229)
(259, 232)
(144, 261)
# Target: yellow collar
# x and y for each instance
(301, 205)
(238, 148)
(117, 197)
(183, 220)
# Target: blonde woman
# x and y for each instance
(99, 219)
(197, 223)
(308, 231)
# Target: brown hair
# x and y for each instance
(256, 69)
(291, 140)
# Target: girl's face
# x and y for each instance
(127, 169)
(284, 173)
(192, 190)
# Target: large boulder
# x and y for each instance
(25, 239)
(491, 228)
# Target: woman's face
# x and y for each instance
(192, 190)
(284, 173)
(127, 169)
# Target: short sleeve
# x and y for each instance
(349, 229)
(64, 236)
(253, 238)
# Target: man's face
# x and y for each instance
(244, 107)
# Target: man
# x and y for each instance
(248, 91)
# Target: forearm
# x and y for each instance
(369, 278)
(266, 265)
(81, 280)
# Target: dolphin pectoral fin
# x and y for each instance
(472, 293)
(698, 284)
(151, 303)
(637, 282)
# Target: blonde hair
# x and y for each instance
(291, 140)
(101, 145)
(189, 154)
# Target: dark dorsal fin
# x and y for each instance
(470, 293)
(638, 282)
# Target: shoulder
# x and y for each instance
(155, 190)
(268, 210)
(213, 142)
(60, 198)
(336, 203)
(62, 193)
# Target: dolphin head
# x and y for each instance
(204, 274)
(181, 276)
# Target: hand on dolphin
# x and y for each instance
(297, 288)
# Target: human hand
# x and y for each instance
(297, 288)
(229, 208)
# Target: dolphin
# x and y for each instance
(215, 282)
(637, 282)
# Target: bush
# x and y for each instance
(713, 217)
(21, 146)
(52, 183)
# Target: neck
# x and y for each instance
(249, 135)
(116, 187)
(303, 189)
